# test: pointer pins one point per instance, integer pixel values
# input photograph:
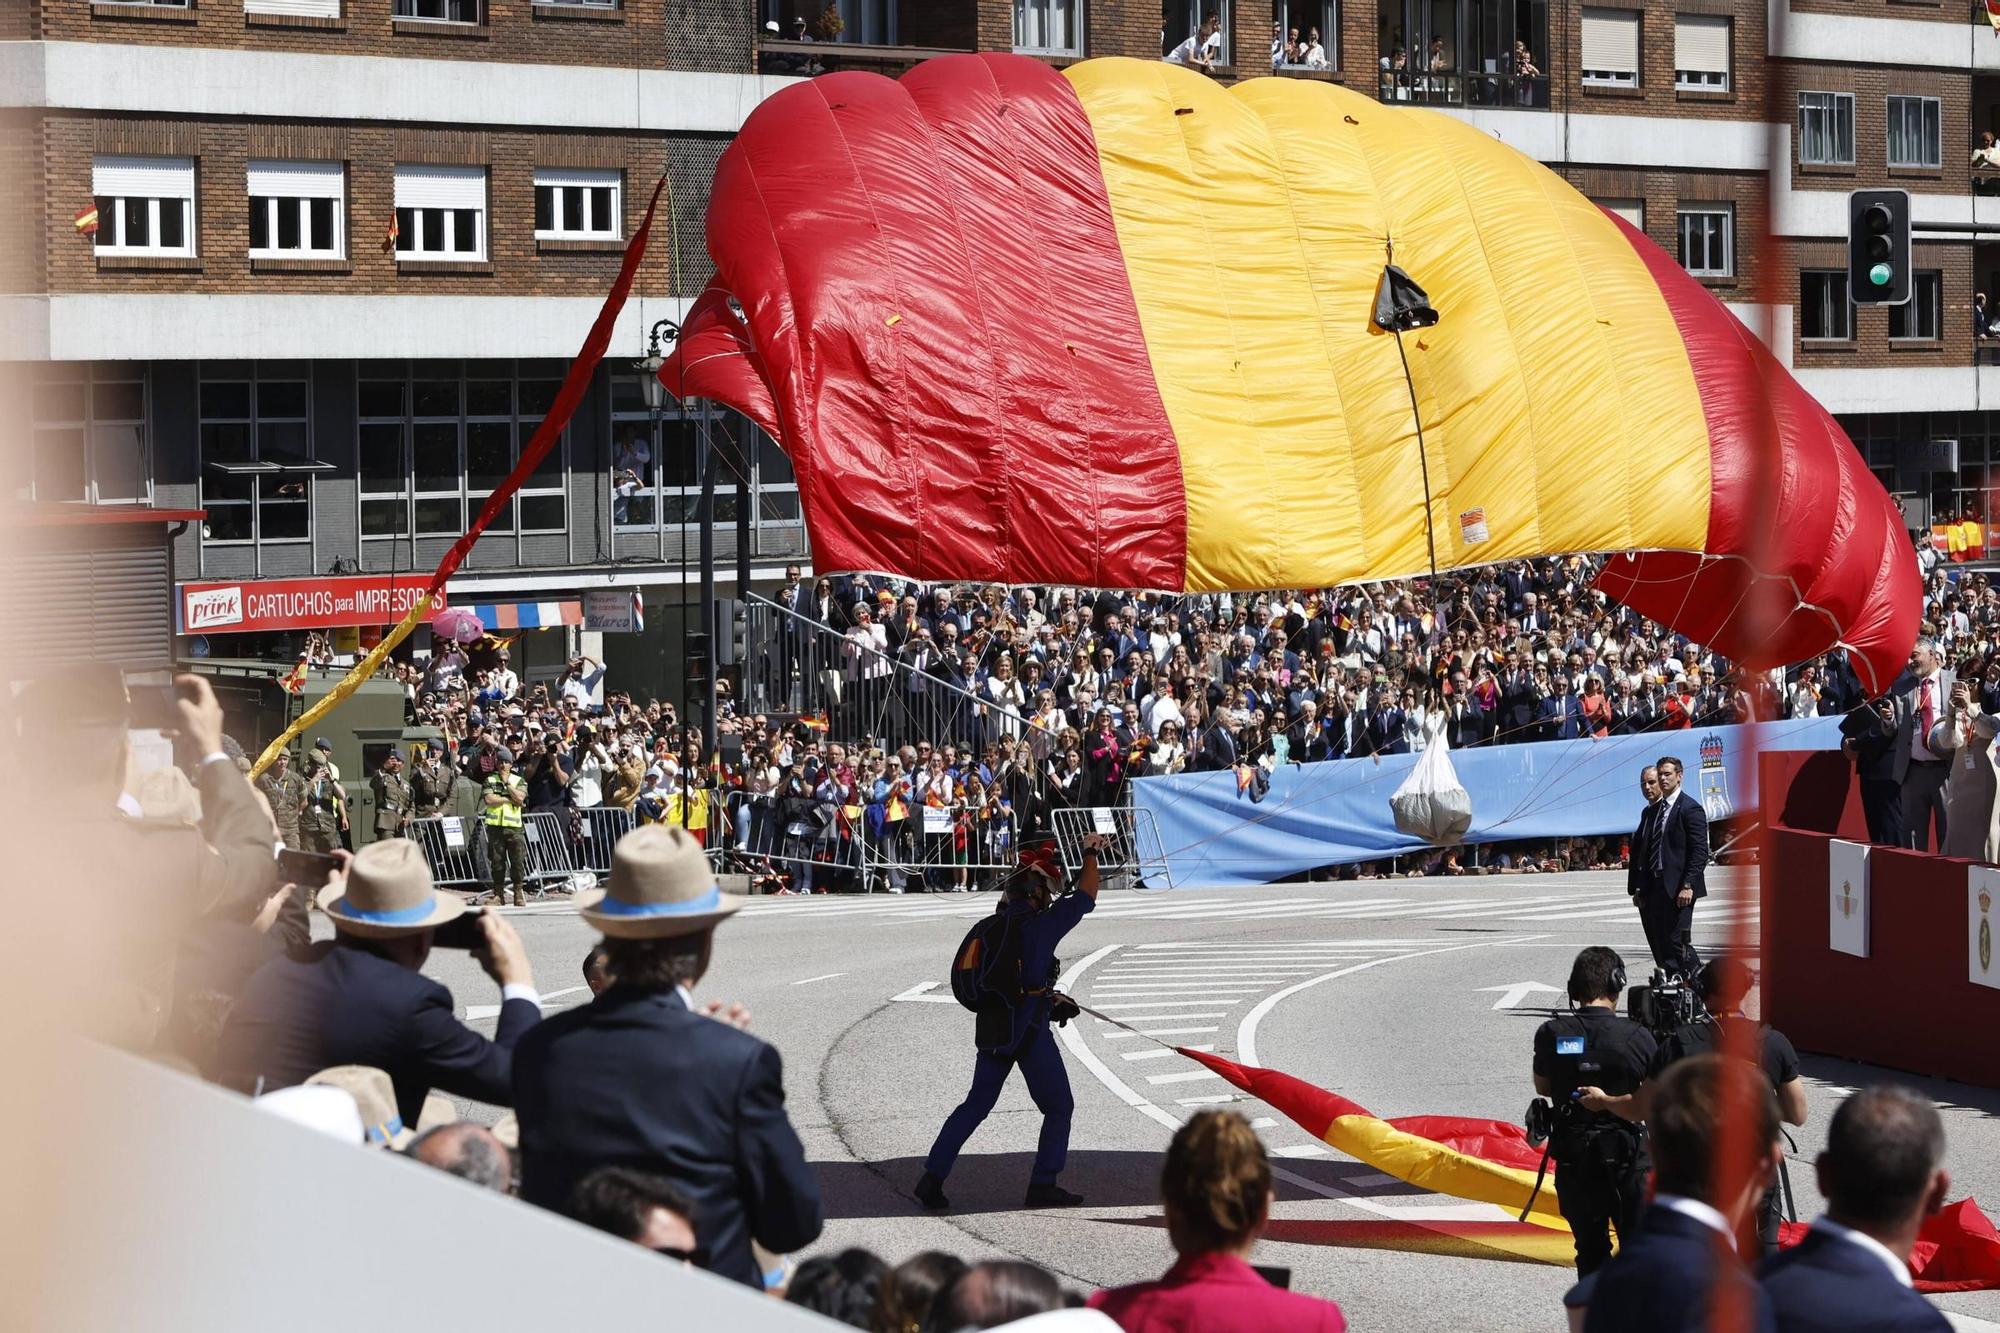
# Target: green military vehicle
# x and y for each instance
(362, 729)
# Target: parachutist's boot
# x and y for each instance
(930, 1193)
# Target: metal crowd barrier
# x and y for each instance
(603, 826)
(1132, 857)
(456, 851)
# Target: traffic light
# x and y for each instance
(697, 659)
(1878, 247)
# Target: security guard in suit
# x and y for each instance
(506, 843)
(286, 791)
(323, 817)
(393, 797)
(1590, 1063)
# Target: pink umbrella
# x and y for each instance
(458, 624)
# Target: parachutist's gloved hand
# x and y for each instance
(1062, 1009)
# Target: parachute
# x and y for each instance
(1114, 326)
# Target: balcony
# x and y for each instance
(1451, 88)
(811, 59)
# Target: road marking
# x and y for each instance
(1113, 1035)
(828, 977)
(1246, 1031)
(1184, 1076)
(1208, 1101)
(1263, 1122)
(1302, 1150)
(920, 993)
(1516, 993)
(475, 1012)
(1155, 1004)
(1161, 1053)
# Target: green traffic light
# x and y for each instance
(1880, 275)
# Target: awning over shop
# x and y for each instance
(498, 616)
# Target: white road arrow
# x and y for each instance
(1518, 992)
(918, 993)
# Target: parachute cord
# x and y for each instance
(1423, 459)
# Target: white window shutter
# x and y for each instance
(297, 180)
(147, 177)
(588, 178)
(1632, 210)
(440, 187)
(1611, 40)
(1701, 43)
(314, 9)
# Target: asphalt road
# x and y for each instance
(1408, 996)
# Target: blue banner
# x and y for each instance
(1338, 811)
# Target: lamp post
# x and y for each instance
(694, 647)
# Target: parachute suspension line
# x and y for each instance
(1423, 462)
(1402, 306)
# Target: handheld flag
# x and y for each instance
(86, 220)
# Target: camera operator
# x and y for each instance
(1590, 1062)
(1724, 1027)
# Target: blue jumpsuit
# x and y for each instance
(1032, 1046)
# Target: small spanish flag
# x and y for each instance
(1344, 621)
(294, 681)
(389, 237)
(1993, 15)
(86, 220)
(816, 722)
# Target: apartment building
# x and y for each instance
(343, 248)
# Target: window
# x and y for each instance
(145, 205)
(1824, 310)
(436, 439)
(1611, 47)
(256, 452)
(1701, 52)
(296, 210)
(1708, 240)
(87, 435)
(654, 481)
(1180, 20)
(1915, 139)
(1309, 17)
(579, 205)
(1921, 319)
(440, 11)
(1826, 129)
(1049, 27)
(1632, 210)
(440, 213)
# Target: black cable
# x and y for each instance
(1423, 459)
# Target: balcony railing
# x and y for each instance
(810, 59)
(1450, 88)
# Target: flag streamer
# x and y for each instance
(574, 386)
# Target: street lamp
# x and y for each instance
(649, 365)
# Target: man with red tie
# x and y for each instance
(1923, 747)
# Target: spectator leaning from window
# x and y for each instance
(362, 999)
(1986, 157)
(1882, 1174)
(1202, 50)
(642, 1077)
(1216, 1185)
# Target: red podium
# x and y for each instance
(1910, 1004)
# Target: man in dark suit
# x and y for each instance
(1868, 737)
(1682, 1265)
(362, 1000)
(1665, 873)
(1921, 746)
(1218, 743)
(643, 1078)
(1520, 701)
(1882, 1174)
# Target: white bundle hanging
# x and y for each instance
(1432, 805)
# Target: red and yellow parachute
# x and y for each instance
(1111, 326)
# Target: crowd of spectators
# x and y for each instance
(888, 734)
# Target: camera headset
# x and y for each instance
(1577, 980)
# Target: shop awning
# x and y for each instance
(526, 615)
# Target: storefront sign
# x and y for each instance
(255, 606)
(614, 611)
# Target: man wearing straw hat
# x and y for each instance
(641, 1078)
(362, 1000)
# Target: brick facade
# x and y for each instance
(644, 34)
(517, 264)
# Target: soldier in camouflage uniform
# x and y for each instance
(286, 791)
(430, 781)
(393, 798)
(325, 813)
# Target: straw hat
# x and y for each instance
(374, 1096)
(388, 893)
(661, 885)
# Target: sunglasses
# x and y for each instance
(698, 1256)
